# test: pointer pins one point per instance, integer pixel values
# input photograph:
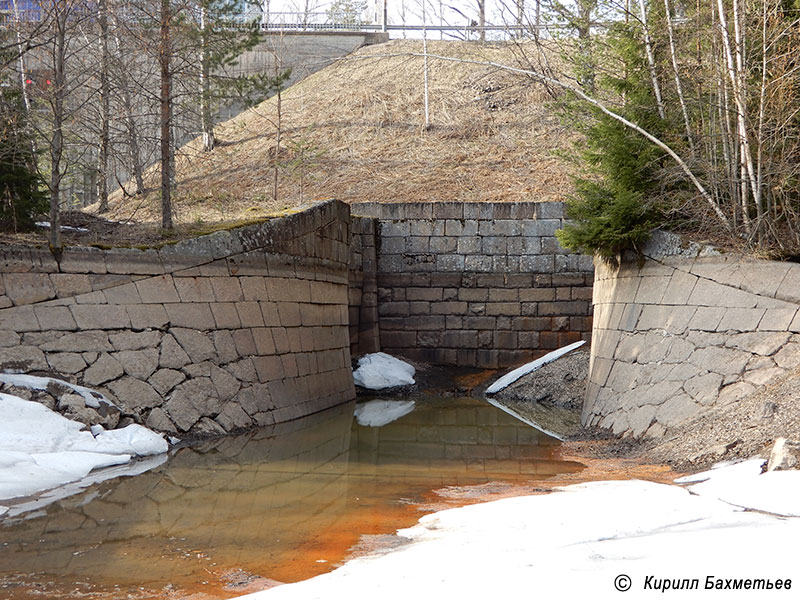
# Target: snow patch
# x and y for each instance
(744, 485)
(379, 371)
(91, 398)
(511, 377)
(40, 449)
(46, 225)
(377, 413)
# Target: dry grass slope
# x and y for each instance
(355, 131)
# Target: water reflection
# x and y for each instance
(265, 500)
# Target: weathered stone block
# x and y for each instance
(28, 288)
(126, 293)
(789, 356)
(164, 380)
(158, 420)
(68, 285)
(777, 319)
(537, 264)
(100, 316)
(22, 359)
(139, 363)
(147, 316)
(104, 369)
(134, 395)
(55, 318)
(741, 319)
(66, 362)
(233, 417)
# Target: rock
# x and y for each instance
(207, 427)
(172, 356)
(192, 400)
(134, 395)
(243, 370)
(66, 362)
(769, 410)
(73, 406)
(164, 380)
(139, 363)
(22, 359)
(195, 344)
(233, 417)
(104, 369)
(129, 340)
(158, 420)
(785, 455)
(19, 392)
(226, 348)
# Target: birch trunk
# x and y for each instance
(651, 63)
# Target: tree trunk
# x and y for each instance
(105, 112)
(57, 141)
(651, 63)
(166, 116)
(481, 19)
(205, 84)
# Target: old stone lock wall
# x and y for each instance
(215, 334)
(687, 329)
(478, 283)
(257, 324)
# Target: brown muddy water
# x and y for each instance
(281, 504)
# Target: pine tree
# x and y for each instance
(22, 198)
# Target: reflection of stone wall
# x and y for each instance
(238, 500)
(680, 333)
(233, 329)
(464, 438)
(477, 284)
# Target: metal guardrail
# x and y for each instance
(294, 21)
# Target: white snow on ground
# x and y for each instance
(377, 413)
(743, 485)
(40, 449)
(91, 398)
(379, 371)
(509, 378)
(577, 541)
(46, 225)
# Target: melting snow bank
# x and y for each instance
(587, 539)
(40, 449)
(379, 371)
(377, 413)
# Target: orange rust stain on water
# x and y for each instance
(335, 544)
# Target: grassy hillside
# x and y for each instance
(355, 131)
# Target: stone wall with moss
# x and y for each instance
(215, 334)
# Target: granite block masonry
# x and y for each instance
(686, 330)
(257, 324)
(236, 329)
(477, 284)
